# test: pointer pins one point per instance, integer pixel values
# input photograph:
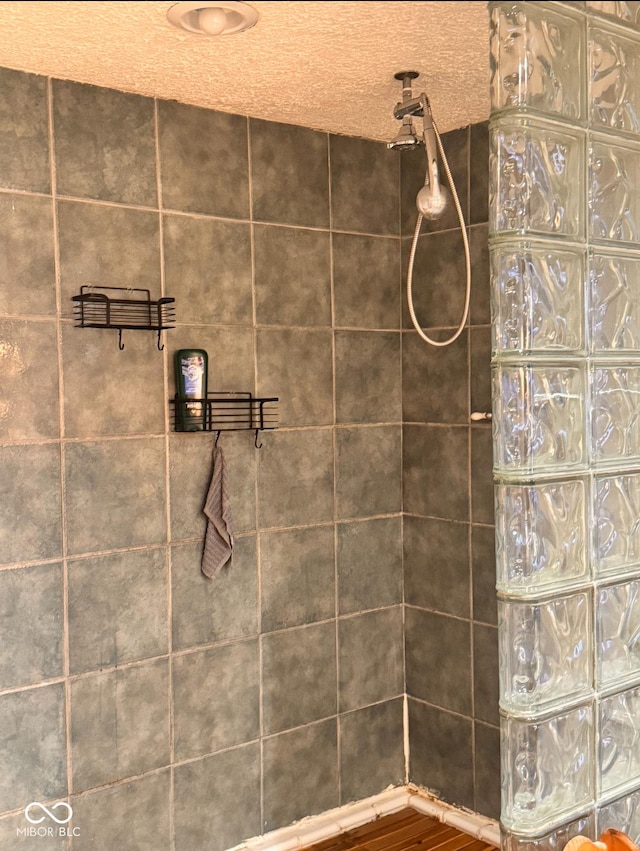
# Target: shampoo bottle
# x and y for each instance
(191, 367)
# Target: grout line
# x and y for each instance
(334, 441)
(256, 476)
(167, 476)
(63, 512)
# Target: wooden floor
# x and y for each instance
(406, 830)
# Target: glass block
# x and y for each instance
(546, 653)
(538, 418)
(536, 60)
(615, 414)
(541, 536)
(614, 72)
(553, 840)
(614, 316)
(614, 192)
(619, 742)
(537, 298)
(624, 12)
(546, 770)
(622, 814)
(617, 524)
(536, 178)
(618, 634)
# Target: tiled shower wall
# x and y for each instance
(173, 712)
(451, 618)
(164, 704)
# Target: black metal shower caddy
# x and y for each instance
(95, 309)
(230, 411)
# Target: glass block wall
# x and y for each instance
(565, 269)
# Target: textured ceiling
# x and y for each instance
(324, 65)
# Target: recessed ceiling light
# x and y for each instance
(218, 17)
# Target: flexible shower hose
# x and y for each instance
(412, 257)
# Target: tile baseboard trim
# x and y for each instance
(331, 823)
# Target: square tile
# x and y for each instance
(297, 577)
(204, 164)
(371, 750)
(292, 276)
(438, 282)
(29, 365)
(487, 771)
(368, 377)
(219, 609)
(27, 270)
(436, 565)
(365, 186)
(300, 774)
(208, 269)
(190, 471)
(231, 780)
(115, 494)
(441, 753)
(368, 471)
(104, 144)
(30, 526)
(480, 378)
(216, 699)
(482, 475)
(435, 381)
(24, 137)
(436, 471)
(117, 609)
(119, 724)
(479, 304)
(31, 625)
(371, 670)
(479, 173)
(107, 246)
(130, 815)
(369, 560)
(438, 660)
(32, 747)
(367, 281)
(230, 356)
(486, 687)
(289, 174)
(298, 676)
(295, 479)
(296, 365)
(483, 566)
(126, 388)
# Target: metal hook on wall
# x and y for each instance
(120, 343)
(255, 442)
(160, 345)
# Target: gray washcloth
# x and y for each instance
(218, 542)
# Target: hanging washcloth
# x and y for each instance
(218, 542)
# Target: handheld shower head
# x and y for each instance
(432, 199)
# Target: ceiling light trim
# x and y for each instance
(186, 15)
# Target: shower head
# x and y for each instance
(407, 139)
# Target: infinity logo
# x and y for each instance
(48, 812)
